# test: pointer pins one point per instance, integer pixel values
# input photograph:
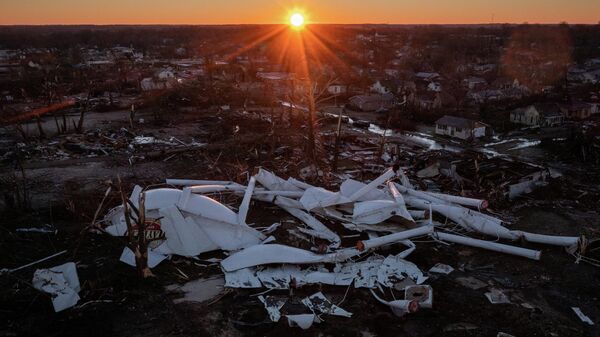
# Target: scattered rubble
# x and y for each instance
(186, 222)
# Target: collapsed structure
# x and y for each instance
(388, 210)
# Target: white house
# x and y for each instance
(165, 74)
(538, 115)
(379, 88)
(150, 84)
(474, 82)
(337, 89)
(459, 127)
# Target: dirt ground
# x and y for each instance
(115, 303)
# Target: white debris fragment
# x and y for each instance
(503, 334)
(394, 268)
(245, 205)
(420, 293)
(242, 278)
(281, 277)
(45, 229)
(304, 321)
(399, 307)
(497, 296)
(319, 229)
(275, 183)
(319, 304)
(184, 237)
(273, 306)
(395, 237)
(441, 268)
(400, 204)
(271, 228)
(494, 246)
(317, 197)
(61, 282)
(351, 186)
(374, 211)
(582, 316)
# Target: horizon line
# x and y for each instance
(285, 23)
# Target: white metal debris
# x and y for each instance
(6, 270)
(242, 278)
(441, 268)
(497, 247)
(188, 222)
(369, 273)
(304, 321)
(276, 253)
(273, 306)
(420, 293)
(399, 307)
(396, 268)
(503, 334)
(497, 296)
(61, 282)
(46, 229)
(319, 304)
(582, 316)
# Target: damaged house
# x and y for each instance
(372, 102)
(458, 127)
(577, 110)
(538, 115)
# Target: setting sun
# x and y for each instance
(297, 20)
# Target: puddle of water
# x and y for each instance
(200, 290)
(525, 144)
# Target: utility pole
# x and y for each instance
(337, 138)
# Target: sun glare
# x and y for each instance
(297, 20)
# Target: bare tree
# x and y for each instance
(314, 96)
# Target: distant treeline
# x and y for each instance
(584, 39)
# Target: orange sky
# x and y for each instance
(324, 11)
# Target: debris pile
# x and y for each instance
(497, 178)
(341, 230)
(99, 143)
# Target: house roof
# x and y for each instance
(458, 122)
(362, 99)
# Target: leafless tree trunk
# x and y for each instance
(21, 131)
(42, 134)
(136, 239)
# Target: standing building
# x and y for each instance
(458, 127)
